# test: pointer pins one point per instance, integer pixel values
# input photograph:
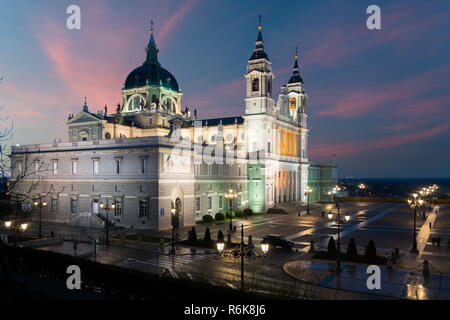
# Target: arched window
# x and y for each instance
(107, 136)
(255, 85)
(293, 103)
(136, 102)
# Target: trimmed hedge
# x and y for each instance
(207, 218)
(219, 216)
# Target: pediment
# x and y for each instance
(83, 117)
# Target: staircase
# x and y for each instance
(85, 219)
(103, 219)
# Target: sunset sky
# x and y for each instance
(378, 99)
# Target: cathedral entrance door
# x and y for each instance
(95, 206)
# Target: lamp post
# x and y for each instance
(173, 211)
(336, 189)
(338, 219)
(15, 226)
(307, 192)
(424, 193)
(230, 195)
(242, 252)
(40, 204)
(107, 207)
(414, 203)
(361, 186)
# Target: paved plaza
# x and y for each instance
(389, 225)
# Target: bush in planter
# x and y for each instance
(331, 248)
(207, 218)
(192, 238)
(219, 216)
(371, 250)
(207, 237)
(220, 237)
(351, 249)
(248, 212)
(239, 213)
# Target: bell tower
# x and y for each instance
(259, 79)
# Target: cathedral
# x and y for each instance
(161, 165)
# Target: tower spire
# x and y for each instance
(259, 52)
(152, 50)
(295, 73)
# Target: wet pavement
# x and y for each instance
(394, 283)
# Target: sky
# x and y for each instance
(378, 99)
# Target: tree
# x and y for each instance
(25, 178)
(192, 236)
(207, 237)
(331, 248)
(351, 249)
(220, 237)
(371, 250)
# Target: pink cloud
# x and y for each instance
(174, 18)
(324, 149)
(368, 99)
(397, 24)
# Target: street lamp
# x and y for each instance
(107, 207)
(336, 189)
(414, 203)
(362, 186)
(230, 195)
(338, 219)
(16, 226)
(424, 193)
(173, 211)
(264, 246)
(307, 192)
(40, 204)
(242, 252)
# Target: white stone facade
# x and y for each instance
(150, 156)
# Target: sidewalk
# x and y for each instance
(397, 284)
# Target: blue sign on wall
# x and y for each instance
(162, 212)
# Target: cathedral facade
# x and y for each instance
(149, 156)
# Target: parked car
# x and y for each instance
(278, 241)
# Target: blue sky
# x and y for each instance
(378, 99)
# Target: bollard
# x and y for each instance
(426, 267)
(311, 246)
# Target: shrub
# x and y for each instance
(207, 218)
(351, 249)
(239, 213)
(207, 237)
(228, 215)
(220, 237)
(371, 249)
(248, 212)
(331, 247)
(219, 216)
(192, 238)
